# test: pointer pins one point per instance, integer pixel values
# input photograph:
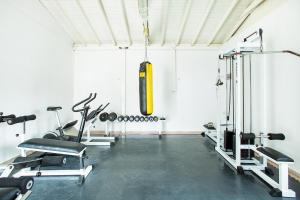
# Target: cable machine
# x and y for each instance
(235, 142)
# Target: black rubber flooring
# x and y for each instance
(146, 168)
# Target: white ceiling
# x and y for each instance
(171, 22)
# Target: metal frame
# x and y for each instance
(253, 164)
(159, 129)
(24, 196)
(82, 171)
(212, 134)
(90, 140)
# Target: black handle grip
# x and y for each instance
(21, 119)
(6, 117)
(105, 107)
(90, 100)
(276, 136)
(77, 104)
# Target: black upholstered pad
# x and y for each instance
(275, 155)
(9, 193)
(70, 124)
(209, 127)
(54, 108)
(53, 145)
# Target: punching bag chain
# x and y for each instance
(146, 34)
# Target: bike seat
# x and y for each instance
(54, 108)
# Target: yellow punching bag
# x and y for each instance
(145, 87)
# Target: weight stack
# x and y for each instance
(228, 140)
(245, 153)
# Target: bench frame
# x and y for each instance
(23, 196)
(82, 171)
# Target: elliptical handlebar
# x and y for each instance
(101, 109)
(90, 100)
(81, 102)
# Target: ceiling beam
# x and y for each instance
(124, 12)
(100, 3)
(183, 22)
(82, 40)
(243, 17)
(57, 21)
(203, 21)
(165, 5)
(224, 18)
(88, 21)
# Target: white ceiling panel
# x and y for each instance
(171, 22)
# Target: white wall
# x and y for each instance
(282, 95)
(36, 70)
(184, 95)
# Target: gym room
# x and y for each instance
(149, 99)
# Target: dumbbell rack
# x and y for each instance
(106, 140)
(160, 126)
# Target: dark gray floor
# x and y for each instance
(144, 168)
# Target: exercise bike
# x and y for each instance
(84, 114)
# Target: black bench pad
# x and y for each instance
(9, 193)
(53, 145)
(209, 127)
(54, 108)
(275, 155)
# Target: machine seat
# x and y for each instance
(275, 155)
(50, 145)
(209, 127)
(54, 108)
(9, 193)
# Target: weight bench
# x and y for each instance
(54, 147)
(281, 188)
